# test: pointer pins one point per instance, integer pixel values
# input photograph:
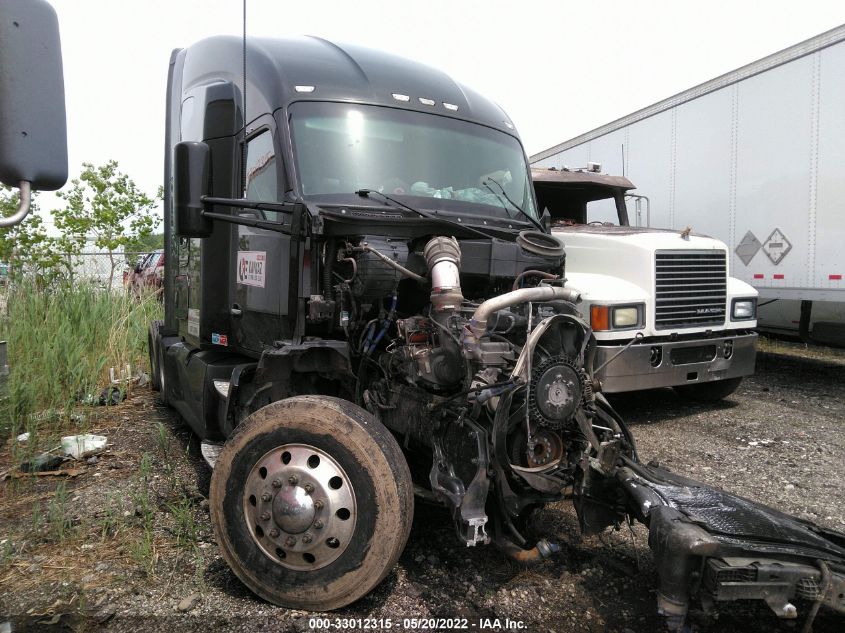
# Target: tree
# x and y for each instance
(26, 247)
(105, 207)
(145, 243)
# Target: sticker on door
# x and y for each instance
(251, 265)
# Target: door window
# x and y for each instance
(261, 175)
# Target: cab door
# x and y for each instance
(261, 257)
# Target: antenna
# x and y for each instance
(623, 154)
(243, 95)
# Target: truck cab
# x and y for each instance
(662, 304)
(363, 300)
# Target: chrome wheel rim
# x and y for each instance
(300, 506)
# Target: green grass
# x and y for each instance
(61, 343)
(58, 520)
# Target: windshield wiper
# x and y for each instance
(490, 179)
(365, 193)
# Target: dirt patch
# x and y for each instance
(136, 549)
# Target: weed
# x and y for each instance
(142, 549)
(61, 343)
(145, 467)
(37, 517)
(110, 519)
(162, 441)
(57, 514)
(183, 514)
(199, 571)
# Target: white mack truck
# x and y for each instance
(662, 304)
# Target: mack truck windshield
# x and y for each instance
(362, 307)
(662, 304)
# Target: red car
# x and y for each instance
(147, 276)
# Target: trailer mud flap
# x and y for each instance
(716, 546)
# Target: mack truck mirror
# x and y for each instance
(191, 163)
(33, 132)
(546, 220)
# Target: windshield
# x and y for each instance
(341, 148)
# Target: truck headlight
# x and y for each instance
(628, 316)
(744, 309)
(604, 318)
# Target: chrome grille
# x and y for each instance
(690, 289)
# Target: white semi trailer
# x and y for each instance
(754, 158)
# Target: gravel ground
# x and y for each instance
(780, 440)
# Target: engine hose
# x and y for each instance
(540, 552)
(385, 326)
(824, 587)
(369, 340)
(531, 273)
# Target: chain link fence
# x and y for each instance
(108, 270)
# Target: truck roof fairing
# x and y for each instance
(282, 71)
(566, 177)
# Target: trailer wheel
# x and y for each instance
(311, 502)
(709, 391)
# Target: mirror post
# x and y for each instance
(23, 205)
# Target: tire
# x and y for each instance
(365, 520)
(709, 391)
(152, 347)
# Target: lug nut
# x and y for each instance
(265, 516)
(318, 504)
(318, 525)
(277, 483)
(309, 488)
(307, 538)
(266, 496)
(290, 541)
(274, 533)
(293, 480)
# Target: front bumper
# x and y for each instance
(666, 363)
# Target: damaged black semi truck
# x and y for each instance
(363, 302)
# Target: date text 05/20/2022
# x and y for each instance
(415, 624)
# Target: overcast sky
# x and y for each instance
(558, 68)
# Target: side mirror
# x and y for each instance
(546, 220)
(33, 132)
(190, 168)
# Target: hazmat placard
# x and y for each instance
(251, 268)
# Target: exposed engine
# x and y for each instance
(474, 355)
(492, 395)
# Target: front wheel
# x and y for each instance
(311, 502)
(709, 391)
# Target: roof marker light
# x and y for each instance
(450, 106)
(508, 124)
(428, 102)
(401, 97)
(304, 88)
